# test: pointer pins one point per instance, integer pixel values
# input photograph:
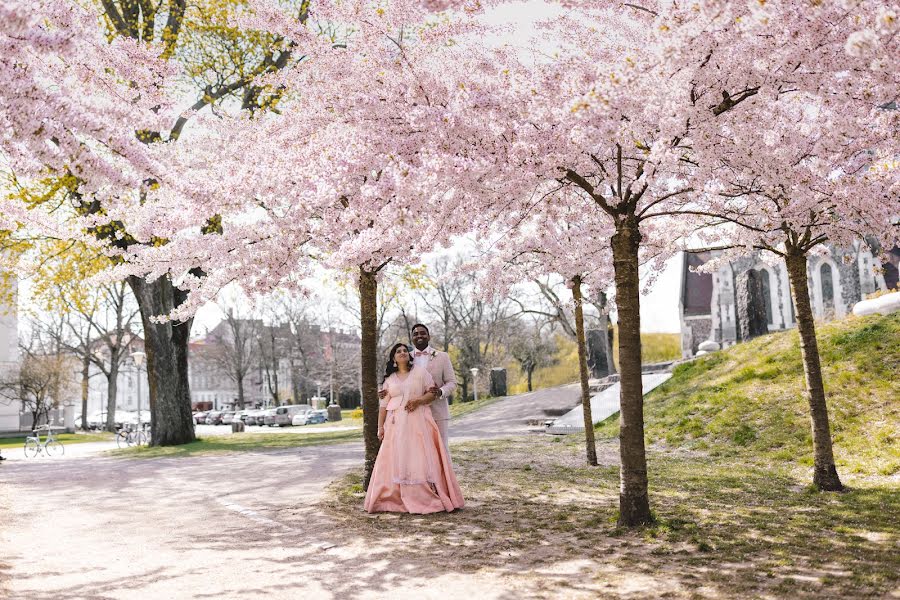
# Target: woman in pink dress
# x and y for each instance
(412, 473)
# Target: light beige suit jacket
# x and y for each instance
(438, 364)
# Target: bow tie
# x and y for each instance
(420, 353)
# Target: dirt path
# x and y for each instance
(220, 526)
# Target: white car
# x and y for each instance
(301, 419)
(311, 417)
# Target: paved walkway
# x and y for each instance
(218, 526)
(603, 405)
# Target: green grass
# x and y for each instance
(65, 438)
(749, 400)
(655, 347)
(346, 421)
(724, 527)
(244, 442)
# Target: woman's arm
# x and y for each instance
(382, 414)
(415, 403)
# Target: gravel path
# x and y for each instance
(94, 527)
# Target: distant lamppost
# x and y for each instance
(475, 382)
(138, 358)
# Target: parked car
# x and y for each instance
(267, 418)
(239, 416)
(200, 417)
(252, 417)
(227, 417)
(284, 415)
(214, 417)
(311, 417)
(95, 420)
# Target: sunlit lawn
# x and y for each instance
(65, 438)
(725, 528)
(242, 442)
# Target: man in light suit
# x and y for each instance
(438, 364)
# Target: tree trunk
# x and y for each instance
(634, 503)
(825, 476)
(240, 390)
(112, 387)
(368, 317)
(167, 360)
(590, 445)
(530, 372)
(85, 382)
(604, 327)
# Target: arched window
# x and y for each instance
(767, 293)
(827, 278)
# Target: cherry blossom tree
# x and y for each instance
(627, 113)
(362, 140)
(804, 176)
(792, 140)
(127, 182)
(70, 101)
(583, 127)
(548, 237)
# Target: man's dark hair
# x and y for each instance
(423, 325)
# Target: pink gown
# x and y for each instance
(412, 473)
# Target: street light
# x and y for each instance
(475, 382)
(138, 358)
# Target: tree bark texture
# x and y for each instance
(590, 445)
(368, 310)
(166, 347)
(825, 476)
(634, 503)
(240, 390)
(112, 390)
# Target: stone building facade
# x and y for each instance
(711, 304)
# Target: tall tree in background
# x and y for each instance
(546, 240)
(532, 349)
(236, 350)
(100, 321)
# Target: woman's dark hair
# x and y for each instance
(390, 368)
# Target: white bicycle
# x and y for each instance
(129, 436)
(50, 446)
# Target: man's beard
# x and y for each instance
(423, 343)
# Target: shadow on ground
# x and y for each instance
(538, 524)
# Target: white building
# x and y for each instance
(9, 356)
(130, 387)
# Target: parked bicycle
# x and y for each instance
(131, 435)
(50, 446)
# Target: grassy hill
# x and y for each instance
(748, 400)
(655, 347)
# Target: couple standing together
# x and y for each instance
(413, 472)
